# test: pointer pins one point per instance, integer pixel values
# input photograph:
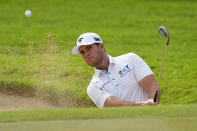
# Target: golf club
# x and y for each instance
(163, 31)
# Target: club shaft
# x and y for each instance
(164, 57)
(166, 34)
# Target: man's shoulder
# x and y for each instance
(94, 84)
(125, 57)
(94, 81)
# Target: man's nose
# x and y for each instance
(87, 53)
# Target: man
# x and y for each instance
(118, 81)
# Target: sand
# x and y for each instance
(13, 102)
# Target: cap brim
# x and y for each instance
(75, 50)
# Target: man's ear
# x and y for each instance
(101, 45)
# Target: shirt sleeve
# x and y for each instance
(141, 69)
(97, 95)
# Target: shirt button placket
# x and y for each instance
(113, 80)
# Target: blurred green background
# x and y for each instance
(30, 62)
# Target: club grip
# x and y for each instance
(155, 98)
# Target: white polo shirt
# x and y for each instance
(121, 80)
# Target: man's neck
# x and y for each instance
(104, 64)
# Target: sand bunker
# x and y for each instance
(13, 102)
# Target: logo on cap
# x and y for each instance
(80, 39)
(97, 39)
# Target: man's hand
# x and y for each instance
(157, 95)
(148, 102)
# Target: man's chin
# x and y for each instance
(91, 64)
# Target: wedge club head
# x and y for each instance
(164, 32)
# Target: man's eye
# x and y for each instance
(88, 48)
(82, 52)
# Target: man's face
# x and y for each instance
(92, 54)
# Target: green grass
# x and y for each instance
(150, 124)
(27, 57)
(166, 117)
(166, 111)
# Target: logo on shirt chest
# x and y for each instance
(124, 70)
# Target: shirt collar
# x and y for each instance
(111, 61)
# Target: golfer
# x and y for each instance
(125, 80)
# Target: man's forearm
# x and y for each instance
(149, 85)
(122, 103)
(115, 102)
